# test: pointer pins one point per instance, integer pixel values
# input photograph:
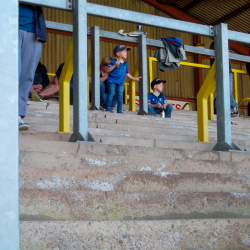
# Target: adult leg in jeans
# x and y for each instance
(119, 92)
(103, 95)
(168, 110)
(111, 90)
(233, 104)
(29, 56)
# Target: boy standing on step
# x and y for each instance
(157, 101)
(118, 70)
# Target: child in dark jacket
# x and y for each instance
(118, 69)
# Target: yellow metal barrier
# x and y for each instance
(235, 72)
(244, 100)
(132, 88)
(126, 92)
(150, 70)
(153, 59)
(190, 106)
(211, 107)
(64, 93)
(207, 88)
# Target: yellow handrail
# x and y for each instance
(188, 103)
(197, 65)
(204, 94)
(51, 74)
(132, 88)
(64, 93)
(243, 100)
(235, 72)
(126, 84)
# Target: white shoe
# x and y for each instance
(22, 124)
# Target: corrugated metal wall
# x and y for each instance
(180, 83)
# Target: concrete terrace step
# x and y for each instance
(133, 181)
(180, 234)
(93, 149)
(38, 131)
(97, 117)
(124, 164)
(99, 205)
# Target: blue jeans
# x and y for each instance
(167, 111)
(233, 104)
(103, 95)
(115, 89)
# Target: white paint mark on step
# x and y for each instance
(99, 186)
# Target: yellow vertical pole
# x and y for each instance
(207, 88)
(150, 71)
(211, 107)
(236, 87)
(132, 89)
(88, 73)
(126, 92)
(64, 93)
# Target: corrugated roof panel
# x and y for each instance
(241, 22)
(210, 11)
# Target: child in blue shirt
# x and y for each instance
(157, 101)
(118, 69)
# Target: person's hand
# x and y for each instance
(117, 63)
(158, 105)
(138, 78)
(38, 88)
(165, 105)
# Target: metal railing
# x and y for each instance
(80, 8)
(189, 104)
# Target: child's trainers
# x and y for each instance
(36, 98)
(234, 112)
(22, 124)
(110, 110)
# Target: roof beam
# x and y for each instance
(180, 15)
(232, 14)
(172, 11)
(191, 5)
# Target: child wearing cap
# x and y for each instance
(157, 100)
(118, 70)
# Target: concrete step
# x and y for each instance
(93, 149)
(133, 181)
(182, 234)
(44, 205)
(124, 164)
(182, 124)
(122, 140)
(38, 132)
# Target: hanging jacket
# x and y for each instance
(41, 32)
(170, 56)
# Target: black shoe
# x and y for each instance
(234, 112)
(104, 106)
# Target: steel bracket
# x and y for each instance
(211, 30)
(69, 4)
